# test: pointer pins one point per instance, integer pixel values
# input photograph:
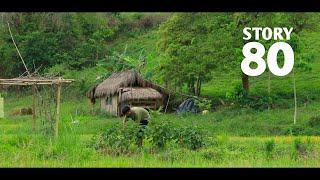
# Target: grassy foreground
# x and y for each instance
(239, 138)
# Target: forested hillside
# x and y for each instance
(193, 53)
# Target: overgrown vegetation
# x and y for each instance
(220, 139)
(190, 53)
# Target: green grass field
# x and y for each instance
(239, 138)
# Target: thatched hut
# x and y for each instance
(127, 88)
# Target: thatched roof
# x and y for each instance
(128, 78)
(139, 93)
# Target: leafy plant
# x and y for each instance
(118, 139)
(314, 121)
(191, 137)
(269, 147)
(301, 149)
(159, 133)
(203, 104)
(156, 113)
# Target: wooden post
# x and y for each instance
(58, 108)
(119, 101)
(34, 107)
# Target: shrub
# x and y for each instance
(191, 137)
(242, 99)
(204, 104)
(117, 139)
(156, 113)
(240, 95)
(302, 129)
(216, 154)
(301, 149)
(159, 133)
(314, 121)
(269, 147)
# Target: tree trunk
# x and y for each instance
(245, 82)
(295, 98)
(198, 86)
(269, 89)
(191, 87)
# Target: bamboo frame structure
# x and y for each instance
(34, 82)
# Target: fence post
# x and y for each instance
(34, 107)
(58, 108)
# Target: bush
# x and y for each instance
(240, 95)
(242, 99)
(216, 154)
(117, 139)
(314, 121)
(302, 129)
(269, 147)
(159, 133)
(302, 149)
(191, 137)
(299, 145)
(204, 104)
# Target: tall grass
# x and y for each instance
(237, 138)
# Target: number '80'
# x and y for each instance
(271, 59)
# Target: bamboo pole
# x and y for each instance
(34, 107)
(15, 45)
(36, 80)
(58, 110)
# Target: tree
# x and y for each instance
(192, 46)
(74, 40)
(299, 22)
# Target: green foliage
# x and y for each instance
(156, 113)
(120, 140)
(214, 154)
(191, 137)
(203, 104)
(192, 45)
(117, 139)
(73, 40)
(163, 132)
(242, 99)
(269, 147)
(301, 148)
(233, 138)
(302, 129)
(240, 95)
(159, 133)
(314, 121)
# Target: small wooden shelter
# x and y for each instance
(38, 81)
(127, 88)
